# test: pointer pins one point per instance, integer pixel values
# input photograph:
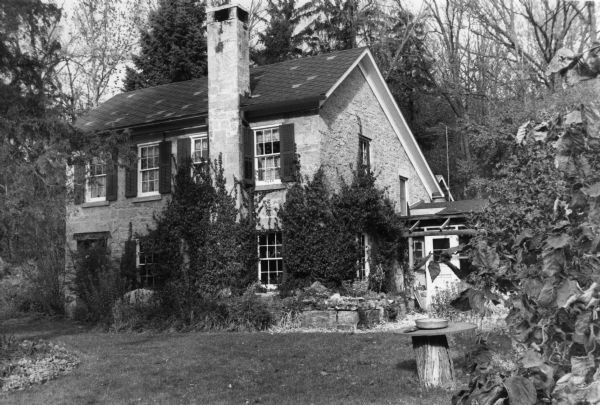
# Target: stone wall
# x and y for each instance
(351, 110)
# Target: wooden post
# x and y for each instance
(434, 364)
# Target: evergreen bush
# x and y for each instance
(321, 231)
(202, 242)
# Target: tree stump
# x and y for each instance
(434, 364)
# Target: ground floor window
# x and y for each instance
(270, 269)
(363, 264)
(91, 240)
(146, 264)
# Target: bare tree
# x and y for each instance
(100, 42)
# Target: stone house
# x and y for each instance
(329, 109)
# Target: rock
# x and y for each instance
(370, 317)
(318, 319)
(141, 296)
(347, 320)
(317, 288)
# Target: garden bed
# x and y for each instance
(25, 362)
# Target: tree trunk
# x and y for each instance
(434, 364)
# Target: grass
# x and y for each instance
(228, 368)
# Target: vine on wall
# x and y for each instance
(321, 232)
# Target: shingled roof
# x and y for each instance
(449, 207)
(276, 84)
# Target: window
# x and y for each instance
(363, 264)
(91, 244)
(270, 266)
(95, 181)
(418, 249)
(439, 245)
(268, 157)
(364, 153)
(146, 264)
(199, 150)
(148, 169)
(402, 201)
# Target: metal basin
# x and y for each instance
(431, 323)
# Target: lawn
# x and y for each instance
(228, 368)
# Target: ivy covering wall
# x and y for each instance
(321, 233)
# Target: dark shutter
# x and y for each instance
(184, 151)
(164, 161)
(79, 183)
(288, 152)
(131, 174)
(248, 152)
(112, 177)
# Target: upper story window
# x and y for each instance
(402, 196)
(148, 167)
(95, 181)
(267, 155)
(364, 152)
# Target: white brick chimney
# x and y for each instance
(228, 81)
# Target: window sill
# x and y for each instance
(269, 187)
(95, 204)
(147, 198)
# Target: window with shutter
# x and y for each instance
(274, 154)
(95, 181)
(148, 170)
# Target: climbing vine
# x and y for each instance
(322, 231)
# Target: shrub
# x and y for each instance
(24, 363)
(203, 243)
(249, 312)
(97, 284)
(313, 217)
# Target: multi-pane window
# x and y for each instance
(95, 182)
(148, 173)
(146, 264)
(364, 153)
(271, 261)
(268, 157)
(363, 263)
(199, 150)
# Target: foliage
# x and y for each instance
(25, 363)
(313, 216)
(202, 242)
(97, 283)
(101, 38)
(541, 245)
(173, 46)
(280, 39)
